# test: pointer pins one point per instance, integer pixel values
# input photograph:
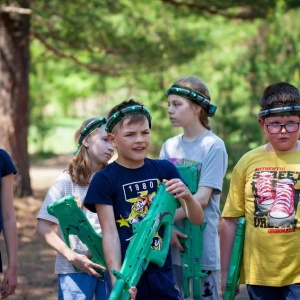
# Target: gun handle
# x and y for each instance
(118, 292)
(158, 257)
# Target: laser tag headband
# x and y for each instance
(280, 111)
(194, 96)
(130, 110)
(88, 129)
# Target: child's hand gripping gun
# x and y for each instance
(73, 221)
(193, 244)
(139, 252)
(233, 276)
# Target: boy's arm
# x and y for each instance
(228, 228)
(110, 239)
(191, 207)
(202, 196)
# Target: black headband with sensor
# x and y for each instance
(120, 114)
(194, 96)
(88, 129)
(284, 110)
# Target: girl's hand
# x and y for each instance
(83, 263)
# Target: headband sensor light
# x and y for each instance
(120, 114)
(194, 96)
(288, 110)
(88, 129)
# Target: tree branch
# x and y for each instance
(104, 69)
(15, 10)
(245, 12)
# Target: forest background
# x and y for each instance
(64, 61)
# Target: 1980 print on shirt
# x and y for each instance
(139, 195)
(275, 197)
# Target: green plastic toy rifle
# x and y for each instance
(193, 244)
(139, 253)
(233, 276)
(73, 221)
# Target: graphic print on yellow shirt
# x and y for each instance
(275, 196)
(140, 195)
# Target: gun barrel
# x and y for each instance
(73, 221)
(119, 291)
(233, 276)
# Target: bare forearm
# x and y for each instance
(180, 214)
(11, 240)
(45, 231)
(193, 210)
(228, 227)
(112, 253)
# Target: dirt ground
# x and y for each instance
(36, 280)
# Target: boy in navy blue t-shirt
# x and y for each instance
(121, 195)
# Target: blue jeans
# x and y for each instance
(287, 292)
(80, 286)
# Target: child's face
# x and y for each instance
(182, 111)
(99, 148)
(132, 141)
(283, 140)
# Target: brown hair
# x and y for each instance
(133, 118)
(279, 95)
(197, 84)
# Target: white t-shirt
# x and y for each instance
(63, 186)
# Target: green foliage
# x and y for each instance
(60, 141)
(110, 51)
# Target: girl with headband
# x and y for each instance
(92, 154)
(189, 107)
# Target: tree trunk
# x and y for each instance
(14, 92)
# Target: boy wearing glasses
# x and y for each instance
(264, 188)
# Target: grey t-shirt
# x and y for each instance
(61, 187)
(208, 151)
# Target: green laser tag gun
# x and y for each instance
(73, 221)
(193, 244)
(139, 252)
(192, 259)
(233, 276)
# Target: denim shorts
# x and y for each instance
(80, 286)
(287, 292)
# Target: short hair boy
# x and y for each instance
(127, 183)
(264, 188)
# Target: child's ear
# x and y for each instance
(196, 108)
(261, 123)
(111, 139)
(85, 142)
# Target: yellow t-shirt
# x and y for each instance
(265, 188)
